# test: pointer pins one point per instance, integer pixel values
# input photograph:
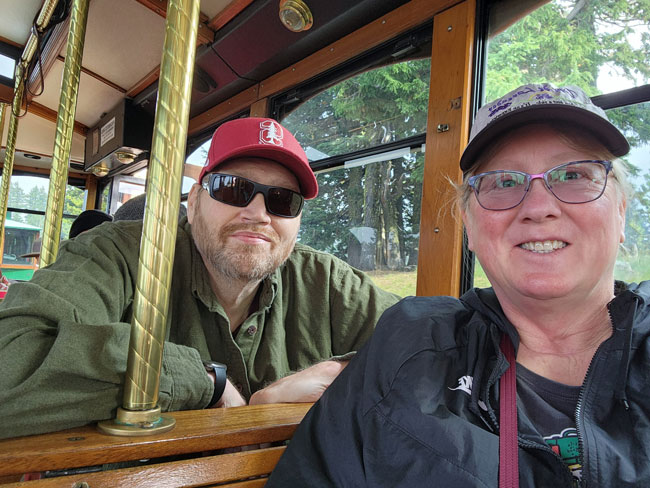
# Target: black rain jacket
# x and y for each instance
(419, 405)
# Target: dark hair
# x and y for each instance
(133, 209)
(87, 220)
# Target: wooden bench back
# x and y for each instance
(196, 432)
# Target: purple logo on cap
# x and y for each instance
(271, 133)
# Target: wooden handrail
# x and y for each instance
(195, 431)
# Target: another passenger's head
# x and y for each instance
(133, 209)
(86, 220)
(245, 209)
(544, 197)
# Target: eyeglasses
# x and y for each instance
(239, 192)
(574, 182)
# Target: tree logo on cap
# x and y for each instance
(271, 133)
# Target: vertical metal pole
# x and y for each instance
(3, 106)
(64, 130)
(140, 414)
(10, 151)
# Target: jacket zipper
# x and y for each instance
(579, 416)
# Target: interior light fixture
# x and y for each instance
(125, 157)
(100, 170)
(295, 15)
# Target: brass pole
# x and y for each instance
(64, 129)
(140, 414)
(3, 106)
(43, 19)
(10, 150)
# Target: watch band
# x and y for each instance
(219, 379)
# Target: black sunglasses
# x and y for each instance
(239, 192)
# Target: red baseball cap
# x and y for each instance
(261, 138)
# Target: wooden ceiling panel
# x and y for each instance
(212, 8)
(16, 17)
(95, 97)
(124, 41)
(36, 135)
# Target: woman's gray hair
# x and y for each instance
(573, 137)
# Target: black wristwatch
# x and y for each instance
(219, 379)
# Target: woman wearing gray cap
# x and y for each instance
(541, 380)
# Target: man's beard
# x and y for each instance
(242, 262)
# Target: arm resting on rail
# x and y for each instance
(64, 339)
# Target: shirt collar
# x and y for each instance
(202, 289)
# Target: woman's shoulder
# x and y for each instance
(417, 323)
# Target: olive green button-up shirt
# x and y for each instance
(64, 335)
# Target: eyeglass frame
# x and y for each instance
(471, 181)
(257, 188)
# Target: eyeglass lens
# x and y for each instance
(239, 192)
(574, 182)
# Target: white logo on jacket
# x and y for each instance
(464, 384)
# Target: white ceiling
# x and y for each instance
(123, 44)
(16, 18)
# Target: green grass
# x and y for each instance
(628, 268)
(480, 280)
(401, 283)
(632, 268)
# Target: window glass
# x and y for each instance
(368, 214)
(376, 107)
(125, 188)
(193, 166)
(103, 199)
(19, 238)
(601, 47)
(633, 263)
(22, 229)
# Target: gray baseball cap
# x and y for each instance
(541, 102)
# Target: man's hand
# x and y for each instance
(305, 386)
(230, 398)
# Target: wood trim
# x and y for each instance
(160, 7)
(233, 9)
(195, 431)
(91, 186)
(441, 233)
(96, 76)
(6, 94)
(203, 471)
(149, 79)
(11, 43)
(43, 171)
(40, 171)
(236, 104)
(383, 29)
(205, 33)
(51, 115)
(260, 108)
(406, 17)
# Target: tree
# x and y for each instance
(570, 43)
(366, 214)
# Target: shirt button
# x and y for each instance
(251, 330)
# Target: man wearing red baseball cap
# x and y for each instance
(253, 317)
